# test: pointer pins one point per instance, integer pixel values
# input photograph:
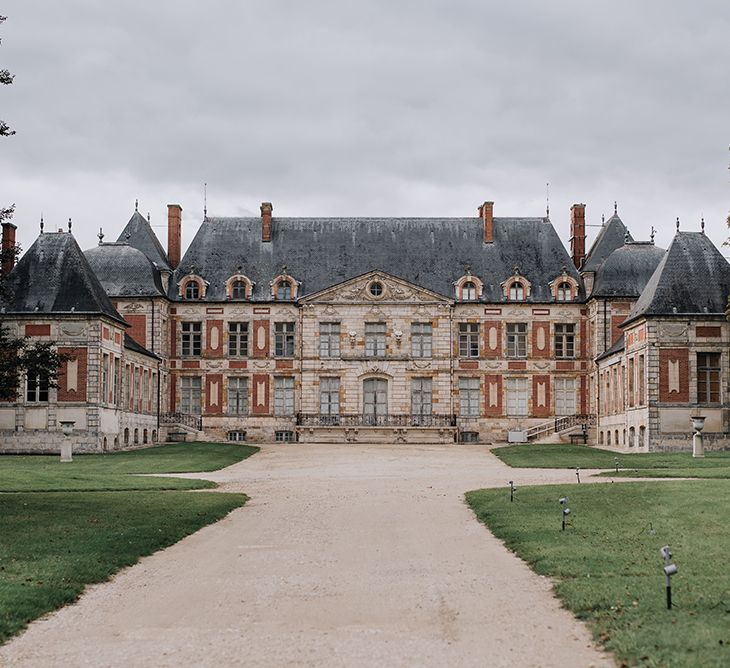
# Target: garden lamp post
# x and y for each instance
(67, 427)
(698, 424)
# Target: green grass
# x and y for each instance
(652, 465)
(55, 540)
(111, 471)
(607, 566)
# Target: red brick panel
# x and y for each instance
(37, 330)
(287, 364)
(77, 390)
(540, 339)
(517, 365)
(583, 338)
(707, 332)
(493, 394)
(674, 375)
(616, 331)
(541, 396)
(214, 338)
(138, 329)
(468, 364)
(173, 392)
(260, 338)
(237, 364)
(492, 346)
(583, 395)
(214, 393)
(564, 365)
(191, 364)
(173, 338)
(260, 394)
(106, 333)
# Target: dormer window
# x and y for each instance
(564, 288)
(516, 288)
(238, 290)
(192, 290)
(565, 292)
(192, 287)
(283, 290)
(239, 286)
(469, 291)
(468, 288)
(517, 292)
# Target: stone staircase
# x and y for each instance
(569, 428)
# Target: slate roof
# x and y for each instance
(131, 344)
(693, 277)
(430, 252)
(138, 233)
(626, 271)
(53, 276)
(611, 237)
(124, 271)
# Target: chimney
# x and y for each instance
(266, 209)
(578, 234)
(8, 248)
(174, 234)
(486, 211)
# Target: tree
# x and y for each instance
(18, 355)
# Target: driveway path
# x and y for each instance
(350, 555)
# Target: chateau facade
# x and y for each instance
(357, 330)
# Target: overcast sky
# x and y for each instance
(372, 108)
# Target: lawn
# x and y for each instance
(608, 569)
(645, 465)
(55, 540)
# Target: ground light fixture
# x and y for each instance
(669, 570)
(577, 474)
(512, 489)
(564, 510)
(615, 463)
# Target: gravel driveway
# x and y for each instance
(346, 555)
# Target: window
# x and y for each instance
(284, 436)
(237, 339)
(190, 394)
(640, 370)
(708, 378)
(284, 339)
(468, 339)
(329, 400)
(469, 397)
(565, 341)
(517, 339)
(127, 402)
(421, 337)
(37, 390)
(421, 404)
(630, 374)
(329, 339)
(117, 380)
(469, 291)
(192, 290)
(191, 339)
(375, 339)
(565, 292)
(238, 290)
(565, 396)
(376, 289)
(284, 395)
(237, 395)
(375, 401)
(516, 396)
(283, 290)
(517, 292)
(105, 378)
(236, 435)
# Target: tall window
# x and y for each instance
(146, 390)
(564, 396)
(190, 394)
(469, 291)
(468, 339)
(469, 397)
(127, 386)
(517, 292)
(565, 292)
(329, 339)
(192, 290)
(630, 374)
(640, 371)
(329, 398)
(283, 290)
(421, 339)
(117, 380)
(564, 341)
(37, 387)
(375, 339)
(238, 339)
(191, 339)
(421, 403)
(284, 395)
(105, 378)
(237, 395)
(517, 339)
(708, 378)
(284, 339)
(516, 396)
(238, 290)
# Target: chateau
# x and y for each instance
(424, 330)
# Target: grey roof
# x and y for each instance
(611, 237)
(617, 347)
(124, 271)
(131, 344)
(53, 276)
(693, 277)
(627, 270)
(139, 234)
(429, 252)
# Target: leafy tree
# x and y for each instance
(19, 355)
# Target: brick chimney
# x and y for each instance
(8, 247)
(266, 209)
(174, 234)
(578, 234)
(486, 212)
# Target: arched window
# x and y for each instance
(126, 436)
(469, 291)
(144, 436)
(517, 292)
(238, 290)
(136, 436)
(283, 290)
(192, 290)
(565, 292)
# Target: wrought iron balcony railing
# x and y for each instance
(186, 419)
(360, 420)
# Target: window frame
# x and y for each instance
(375, 339)
(330, 333)
(564, 340)
(422, 340)
(241, 393)
(709, 375)
(238, 331)
(188, 289)
(284, 338)
(516, 340)
(283, 396)
(191, 397)
(469, 340)
(191, 338)
(469, 396)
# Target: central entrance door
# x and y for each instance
(375, 401)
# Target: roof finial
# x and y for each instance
(69, 225)
(677, 223)
(627, 236)
(547, 205)
(702, 224)
(41, 222)
(205, 201)
(101, 236)
(148, 216)
(615, 208)
(127, 235)
(603, 219)
(136, 204)
(653, 232)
